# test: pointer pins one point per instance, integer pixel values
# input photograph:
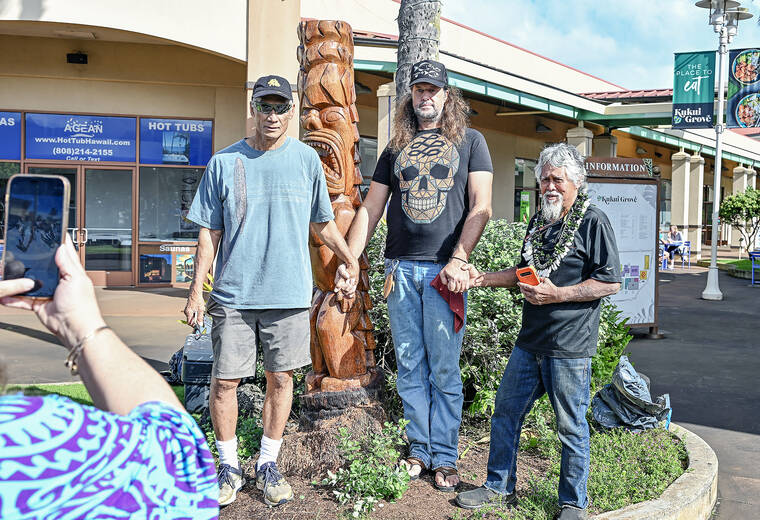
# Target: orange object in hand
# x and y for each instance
(528, 275)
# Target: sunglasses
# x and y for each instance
(278, 108)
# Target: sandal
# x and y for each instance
(446, 471)
(409, 463)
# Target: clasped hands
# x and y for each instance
(346, 280)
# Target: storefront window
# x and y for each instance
(165, 198)
(6, 170)
(526, 189)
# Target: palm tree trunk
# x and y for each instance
(419, 33)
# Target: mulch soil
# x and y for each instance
(420, 502)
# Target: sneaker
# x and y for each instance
(276, 489)
(477, 498)
(571, 513)
(230, 482)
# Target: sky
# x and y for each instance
(629, 43)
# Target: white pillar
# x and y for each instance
(739, 185)
(272, 47)
(386, 103)
(696, 180)
(605, 145)
(581, 138)
(679, 202)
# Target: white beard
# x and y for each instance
(551, 211)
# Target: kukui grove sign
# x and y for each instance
(693, 89)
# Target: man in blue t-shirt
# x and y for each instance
(571, 245)
(254, 205)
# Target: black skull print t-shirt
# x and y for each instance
(429, 197)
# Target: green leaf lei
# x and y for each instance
(534, 252)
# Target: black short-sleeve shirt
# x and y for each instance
(571, 329)
(429, 197)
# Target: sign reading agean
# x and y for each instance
(618, 167)
(693, 89)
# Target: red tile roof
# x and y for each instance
(630, 95)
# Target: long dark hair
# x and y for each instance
(454, 120)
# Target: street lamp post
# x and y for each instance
(724, 17)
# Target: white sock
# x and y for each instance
(270, 448)
(228, 452)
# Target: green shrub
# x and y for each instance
(371, 473)
(493, 323)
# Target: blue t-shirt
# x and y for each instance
(59, 459)
(263, 202)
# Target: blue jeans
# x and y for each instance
(427, 355)
(526, 378)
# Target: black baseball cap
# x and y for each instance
(429, 71)
(272, 86)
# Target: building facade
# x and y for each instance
(128, 101)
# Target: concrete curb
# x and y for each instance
(691, 497)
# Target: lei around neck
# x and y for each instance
(546, 262)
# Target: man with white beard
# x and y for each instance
(571, 245)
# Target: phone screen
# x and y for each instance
(35, 224)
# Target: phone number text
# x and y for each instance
(92, 152)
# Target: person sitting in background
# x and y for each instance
(139, 456)
(673, 244)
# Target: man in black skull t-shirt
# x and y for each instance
(572, 247)
(437, 173)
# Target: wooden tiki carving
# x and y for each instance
(342, 343)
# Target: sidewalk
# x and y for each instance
(709, 364)
(146, 319)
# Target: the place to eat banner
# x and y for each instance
(743, 104)
(693, 89)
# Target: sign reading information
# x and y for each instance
(175, 141)
(61, 137)
(618, 167)
(10, 136)
(743, 104)
(694, 89)
(632, 211)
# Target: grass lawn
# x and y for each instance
(742, 265)
(74, 391)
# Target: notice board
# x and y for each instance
(631, 204)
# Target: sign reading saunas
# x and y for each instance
(693, 89)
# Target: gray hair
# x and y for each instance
(563, 155)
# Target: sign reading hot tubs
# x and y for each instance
(10, 136)
(62, 137)
(175, 141)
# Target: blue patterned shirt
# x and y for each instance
(62, 460)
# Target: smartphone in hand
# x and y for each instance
(36, 219)
(528, 275)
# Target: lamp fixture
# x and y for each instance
(542, 129)
(724, 16)
(640, 150)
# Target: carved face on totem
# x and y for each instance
(326, 90)
(425, 169)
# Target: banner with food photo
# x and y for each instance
(743, 105)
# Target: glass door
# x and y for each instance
(107, 224)
(100, 219)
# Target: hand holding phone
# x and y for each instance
(528, 275)
(36, 218)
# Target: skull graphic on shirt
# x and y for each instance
(425, 169)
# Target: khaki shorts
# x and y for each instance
(282, 333)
